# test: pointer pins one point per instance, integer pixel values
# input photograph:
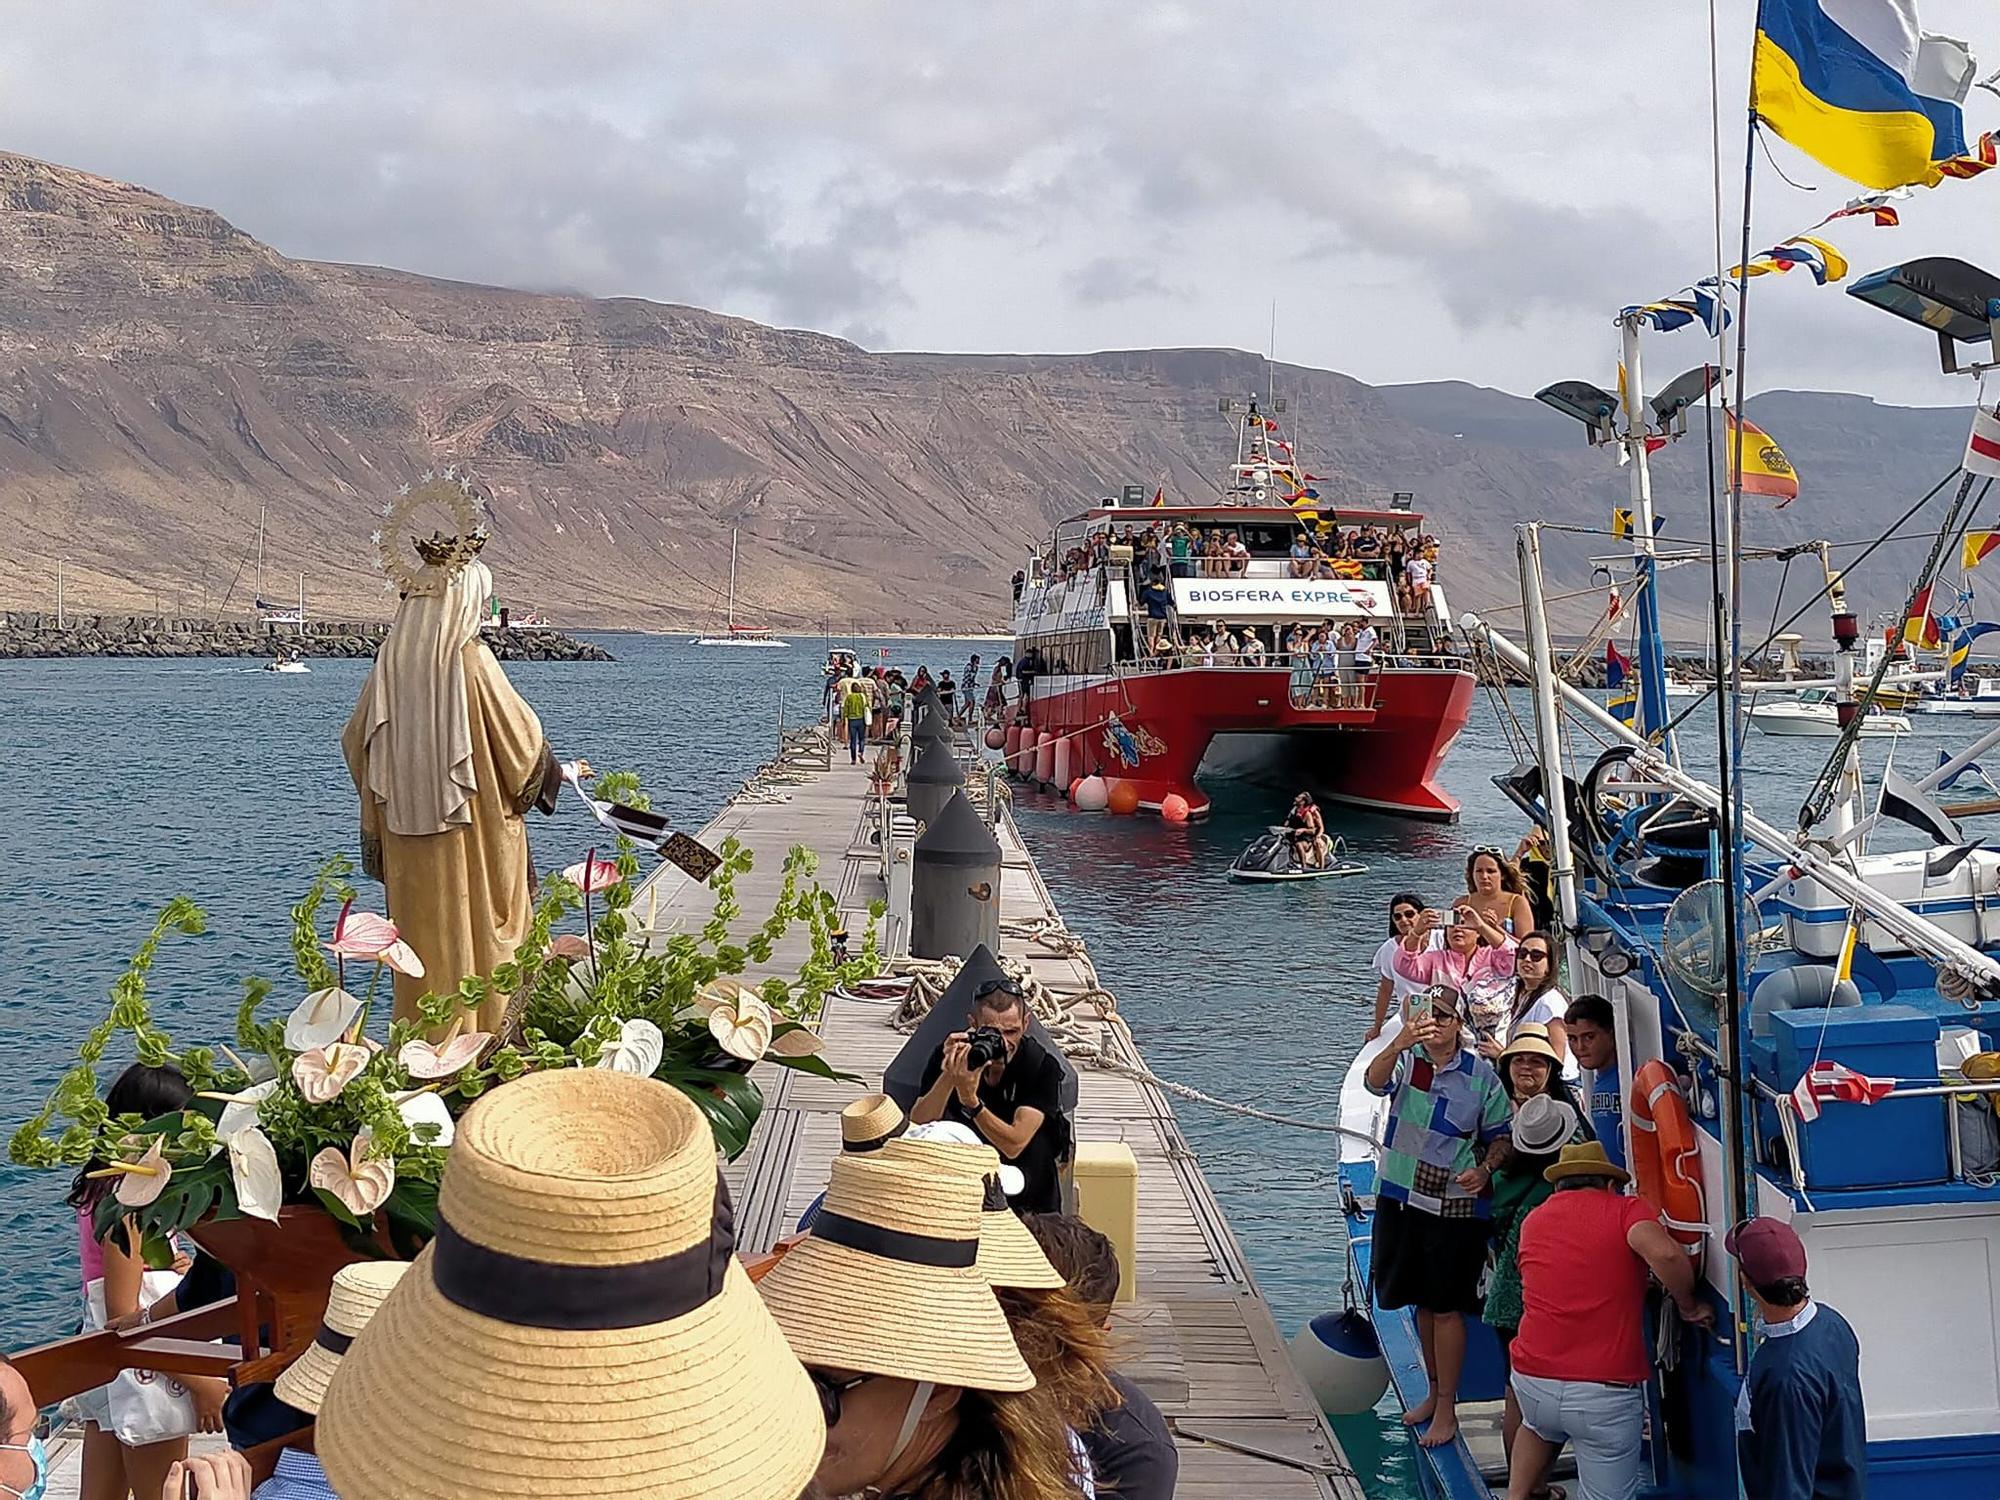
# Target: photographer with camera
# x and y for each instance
(1008, 1087)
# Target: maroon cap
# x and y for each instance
(1767, 1250)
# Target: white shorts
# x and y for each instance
(1601, 1423)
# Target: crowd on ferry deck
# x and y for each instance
(1503, 1194)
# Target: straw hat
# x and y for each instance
(1585, 1159)
(580, 1325)
(357, 1291)
(1531, 1039)
(1008, 1254)
(1542, 1123)
(888, 1282)
(871, 1122)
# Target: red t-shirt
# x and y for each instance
(1583, 1290)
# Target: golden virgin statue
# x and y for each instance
(447, 758)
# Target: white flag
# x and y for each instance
(1982, 449)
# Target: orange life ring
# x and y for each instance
(1665, 1157)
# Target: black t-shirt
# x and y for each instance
(1032, 1080)
(1131, 1450)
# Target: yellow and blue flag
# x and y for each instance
(1858, 86)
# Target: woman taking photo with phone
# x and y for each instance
(1493, 888)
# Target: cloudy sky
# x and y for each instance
(1426, 189)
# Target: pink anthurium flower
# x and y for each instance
(593, 874)
(140, 1182)
(363, 935)
(569, 945)
(360, 1180)
(429, 1060)
(322, 1072)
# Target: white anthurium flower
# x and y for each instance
(360, 1180)
(324, 1071)
(145, 1179)
(801, 1041)
(738, 1019)
(638, 1049)
(422, 1107)
(321, 1019)
(241, 1112)
(428, 1060)
(253, 1169)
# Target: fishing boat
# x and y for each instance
(1814, 714)
(1139, 697)
(734, 634)
(1806, 1027)
(1982, 702)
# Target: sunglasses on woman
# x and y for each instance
(1532, 955)
(832, 1391)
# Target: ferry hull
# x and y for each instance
(1243, 721)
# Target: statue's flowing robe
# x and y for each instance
(461, 897)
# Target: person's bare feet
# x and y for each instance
(1443, 1428)
(1419, 1414)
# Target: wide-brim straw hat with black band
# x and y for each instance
(357, 1291)
(580, 1324)
(1009, 1255)
(871, 1122)
(1531, 1039)
(888, 1281)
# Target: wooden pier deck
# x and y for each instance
(1200, 1337)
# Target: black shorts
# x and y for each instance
(1420, 1260)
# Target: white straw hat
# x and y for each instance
(357, 1291)
(1009, 1255)
(1542, 1123)
(888, 1282)
(580, 1325)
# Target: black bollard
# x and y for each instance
(955, 884)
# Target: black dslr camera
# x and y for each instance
(983, 1046)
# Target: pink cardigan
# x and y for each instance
(1461, 972)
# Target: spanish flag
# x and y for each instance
(1159, 497)
(1920, 629)
(1858, 87)
(1766, 470)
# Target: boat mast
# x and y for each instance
(1548, 731)
(1651, 649)
(732, 578)
(260, 556)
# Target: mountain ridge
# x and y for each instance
(165, 377)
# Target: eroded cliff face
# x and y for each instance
(164, 375)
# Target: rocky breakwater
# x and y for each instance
(25, 634)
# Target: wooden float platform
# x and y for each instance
(1199, 1338)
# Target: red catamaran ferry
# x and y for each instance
(1245, 676)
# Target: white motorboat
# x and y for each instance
(1812, 715)
(1983, 702)
(289, 664)
(734, 634)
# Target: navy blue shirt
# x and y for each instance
(1131, 1449)
(1806, 1437)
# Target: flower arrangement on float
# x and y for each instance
(309, 1109)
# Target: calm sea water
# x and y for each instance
(129, 782)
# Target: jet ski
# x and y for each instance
(1269, 858)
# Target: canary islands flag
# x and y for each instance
(1857, 86)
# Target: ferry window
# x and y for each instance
(1265, 540)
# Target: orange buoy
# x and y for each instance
(1174, 808)
(1665, 1156)
(1122, 797)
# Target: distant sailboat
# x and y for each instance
(269, 613)
(739, 635)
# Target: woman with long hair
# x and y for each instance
(1538, 999)
(1493, 889)
(1404, 908)
(116, 1266)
